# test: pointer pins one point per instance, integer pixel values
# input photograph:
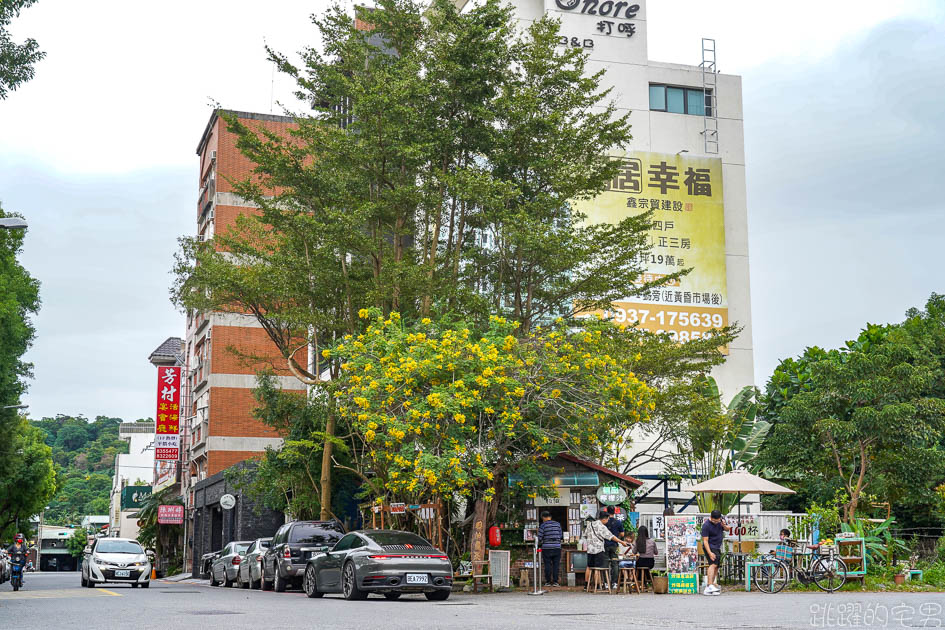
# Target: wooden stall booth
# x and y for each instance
(579, 484)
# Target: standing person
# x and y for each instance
(549, 539)
(610, 547)
(596, 533)
(713, 531)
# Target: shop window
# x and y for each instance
(680, 100)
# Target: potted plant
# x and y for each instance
(900, 577)
(660, 582)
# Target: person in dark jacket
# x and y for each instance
(616, 528)
(549, 539)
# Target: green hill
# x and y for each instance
(84, 451)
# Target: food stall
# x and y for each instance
(582, 489)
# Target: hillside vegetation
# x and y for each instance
(84, 452)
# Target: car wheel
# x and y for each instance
(278, 583)
(84, 581)
(227, 582)
(145, 585)
(213, 580)
(392, 596)
(134, 585)
(349, 584)
(240, 581)
(255, 584)
(438, 596)
(266, 584)
(309, 584)
(91, 583)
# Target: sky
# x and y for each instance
(843, 132)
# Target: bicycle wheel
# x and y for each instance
(772, 576)
(829, 574)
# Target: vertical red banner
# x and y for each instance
(167, 417)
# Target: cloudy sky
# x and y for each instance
(843, 124)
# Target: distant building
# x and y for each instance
(131, 483)
(52, 550)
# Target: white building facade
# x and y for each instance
(131, 483)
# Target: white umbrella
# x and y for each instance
(739, 482)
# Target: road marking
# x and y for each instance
(56, 593)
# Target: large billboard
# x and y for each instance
(685, 195)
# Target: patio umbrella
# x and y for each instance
(739, 482)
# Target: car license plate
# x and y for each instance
(417, 578)
(122, 573)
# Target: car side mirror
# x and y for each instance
(88, 549)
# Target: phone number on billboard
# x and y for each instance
(667, 318)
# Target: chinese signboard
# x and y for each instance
(165, 474)
(133, 497)
(562, 497)
(167, 417)
(170, 514)
(684, 195)
(611, 495)
(684, 583)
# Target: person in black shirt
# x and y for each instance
(610, 547)
(713, 531)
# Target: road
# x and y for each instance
(55, 600)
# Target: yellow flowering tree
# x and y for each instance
(443, 411)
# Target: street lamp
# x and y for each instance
(15, 407)
(12, 223)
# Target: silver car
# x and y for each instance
(227, 562)
(249, 574)
(387, 562)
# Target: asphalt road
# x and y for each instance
(55, 600)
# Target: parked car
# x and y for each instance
(116, 560)
(205, 561)
(4, 567)
(249, 574)
(387, 562)
(227, 561)
(291, 546)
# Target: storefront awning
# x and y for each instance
(566, 480)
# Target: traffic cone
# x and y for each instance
(153, 573)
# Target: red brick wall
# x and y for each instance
(221, 460)
(231, 414)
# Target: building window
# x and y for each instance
(680, 100)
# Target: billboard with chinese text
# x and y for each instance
(167, 416)
(685, 195)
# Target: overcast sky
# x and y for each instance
(844, 130)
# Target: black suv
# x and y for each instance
(291, 547)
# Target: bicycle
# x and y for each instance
(825, 569)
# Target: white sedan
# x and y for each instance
(115, 560)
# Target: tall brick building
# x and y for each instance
(221, 429)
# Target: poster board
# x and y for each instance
(684, 583)
(682, 539)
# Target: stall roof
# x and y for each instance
(607, 471)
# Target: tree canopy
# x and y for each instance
(16, 60)
(867, 419)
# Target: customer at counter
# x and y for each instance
(596, 533)
(645, 548)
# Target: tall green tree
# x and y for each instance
(27, 475)
(866, 419)
(433, 174)
(16, 60)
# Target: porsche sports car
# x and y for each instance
(383, 561)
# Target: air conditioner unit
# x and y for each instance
(213, 156)
(211, 215)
